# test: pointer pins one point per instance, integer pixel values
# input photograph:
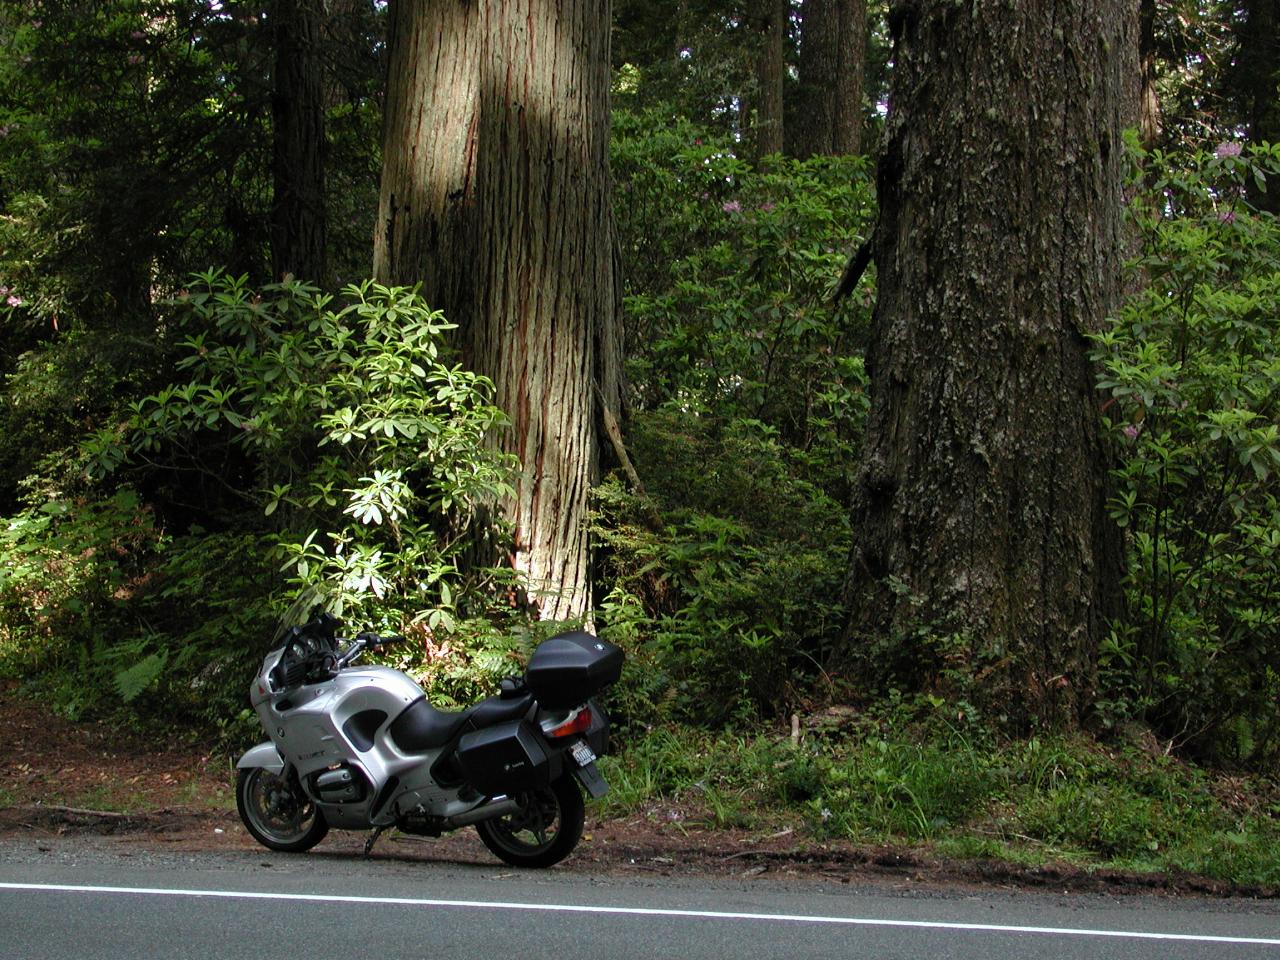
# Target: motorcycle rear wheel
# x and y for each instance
(276, 812)
(543, 831)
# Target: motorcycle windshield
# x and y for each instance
(311, 601)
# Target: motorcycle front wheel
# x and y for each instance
(276, 812)
(543, 831)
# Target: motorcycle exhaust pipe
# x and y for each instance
(498, 807)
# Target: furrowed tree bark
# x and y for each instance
(767, 124)
(298, 222)
(985, 562)
(495, 195)
(833, 41)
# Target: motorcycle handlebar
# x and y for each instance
(367, 641)
(373, 640)
(304, 662)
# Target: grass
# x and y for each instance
(194, 794)
(109, 798)
(1030, 802)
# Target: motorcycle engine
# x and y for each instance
(339, 785)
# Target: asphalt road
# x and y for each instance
(80, 901)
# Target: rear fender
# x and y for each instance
(264, 755)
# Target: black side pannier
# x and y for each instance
(506, 758)
(569, 669)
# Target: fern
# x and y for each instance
(131, 682)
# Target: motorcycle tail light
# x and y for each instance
(580, 722)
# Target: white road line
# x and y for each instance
(640, 911)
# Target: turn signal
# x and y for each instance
(578, 723)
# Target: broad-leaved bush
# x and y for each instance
(1191, 375)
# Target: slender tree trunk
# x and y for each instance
(1257, 83)
(981, 506)
(767, 123)
(298, 224)
(833, 43)
(346, 46)
(1148, 110)
(495, 195)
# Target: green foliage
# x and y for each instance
(64, 562)
(906, 789)
(333, 436)
(909, 773)
(733, 600)
(134, 148)
(101, 606)
(749, 396)
(1192, 367)
(54, 392)
(711, 77)
(134, 138)
(729, 269)
(347, 426)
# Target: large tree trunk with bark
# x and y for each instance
(770, 63)
(298, 223)
(985, 558)
(833, 42)
(495, 196)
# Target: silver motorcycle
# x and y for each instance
(361, 748)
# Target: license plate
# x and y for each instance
(582, 753)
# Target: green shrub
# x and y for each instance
(729, 605)
(64, 565)
(104, 608)
(328, 440)
(729, 271)
(344, 423)
(748, 403)
(916, 787)
(1192, 369)
(1114, 822)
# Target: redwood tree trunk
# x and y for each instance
(495, 195)
(833, 43)
(767, 129)
(980, 511)
(298, 224)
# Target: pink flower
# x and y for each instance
(1228, 148)
(767, 207)
(1131, 431)
(733, 206)
(1226, 216)
(14, 301)
(135, 59)
(138, 35)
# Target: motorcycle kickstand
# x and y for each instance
(373, 838)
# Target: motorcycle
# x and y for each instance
(361, 748)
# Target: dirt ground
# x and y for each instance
(61, 780)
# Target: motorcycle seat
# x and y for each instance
(421, 727)
(497, 710)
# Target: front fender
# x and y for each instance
(263, 755)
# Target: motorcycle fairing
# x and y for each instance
(264, 755)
